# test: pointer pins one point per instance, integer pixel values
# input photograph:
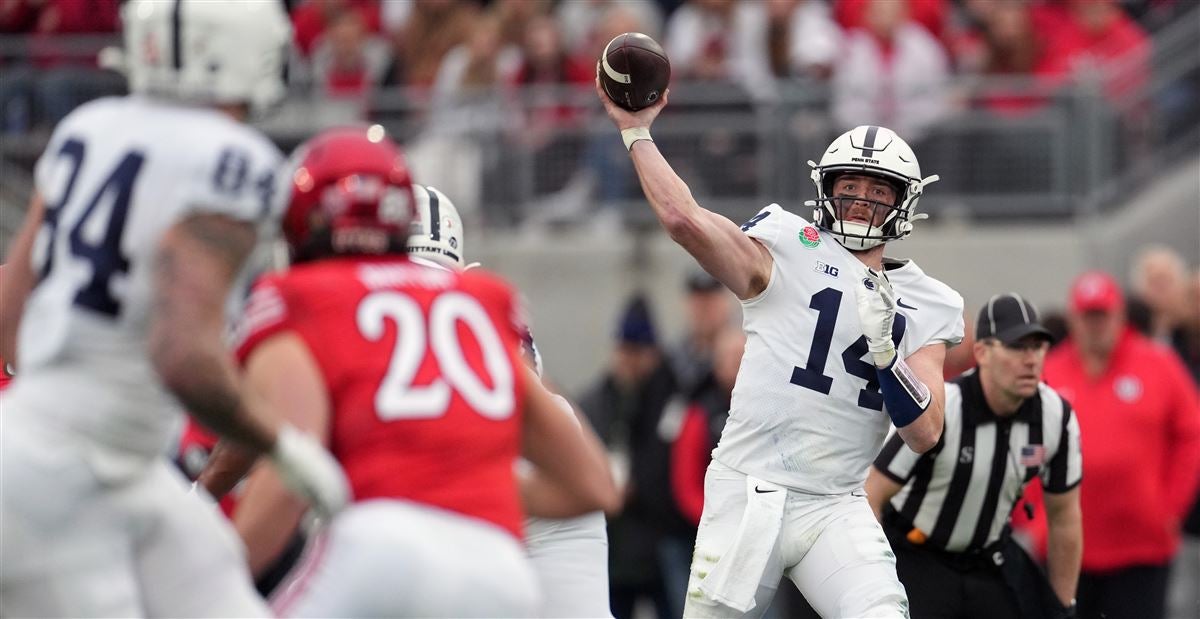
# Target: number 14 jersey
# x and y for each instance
(806, 411)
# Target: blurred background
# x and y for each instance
(1066, 134)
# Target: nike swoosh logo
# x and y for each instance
(761, 491)
(901, 303)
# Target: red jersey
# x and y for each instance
(1139, 428)
(422, 368)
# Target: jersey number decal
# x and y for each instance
(397, 397)
(812, 375)
(94, 240)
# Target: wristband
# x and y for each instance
(634, 134)
(904, 395)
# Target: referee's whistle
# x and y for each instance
(916, 536)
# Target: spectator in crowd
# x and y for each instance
(347, 60)
(702, 424)
(550, 106)
(430, 31)
(59, 75)
(1009, 44)
(626, 408)
(312, 18)
(891, 72)
(930, 14)
(1159, 278)
(781, 39)
(709, 310)
(1139, 418)
(513, 17)
(583, 24)
(699, 40)
(1106, 40)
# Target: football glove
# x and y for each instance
(876, 313)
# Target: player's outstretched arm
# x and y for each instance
(718, 244)
(18, 279)
(283, 375)
(572, 475)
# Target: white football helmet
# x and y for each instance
(206, 51)
(873, 151)
(437, 232)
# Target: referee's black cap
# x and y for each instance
(1009, 317)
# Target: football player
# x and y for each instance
(145, 208)
(841, 343)
(413, 375)
(569, 555)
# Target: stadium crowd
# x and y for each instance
(901, 53)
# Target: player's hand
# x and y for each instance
(876, 313)
(310, 471)
(624, 119)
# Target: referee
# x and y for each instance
(947, 512)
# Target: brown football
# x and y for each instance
(634, 71)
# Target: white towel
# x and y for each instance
(735, 579)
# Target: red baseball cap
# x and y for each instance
(1096, 291)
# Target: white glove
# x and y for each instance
(876, 312)
(310, 471)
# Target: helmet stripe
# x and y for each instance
(176, 37)
(868, 145)
(435, 215)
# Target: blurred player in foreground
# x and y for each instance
(145, 209)
(413, 375)
(569, 555)
(828, 353)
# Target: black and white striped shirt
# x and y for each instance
(961, 493)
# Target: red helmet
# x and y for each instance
(351, 193)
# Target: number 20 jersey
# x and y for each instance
(116, 174)
(806, 410)
(422, 367)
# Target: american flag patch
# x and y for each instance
(1033, 455)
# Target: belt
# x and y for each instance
(902, 534)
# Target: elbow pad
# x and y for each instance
(904, 395)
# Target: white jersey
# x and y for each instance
(806, 411)
(116, 174)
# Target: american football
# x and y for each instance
(634, 70)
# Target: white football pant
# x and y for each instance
(570, 558)
(392, 558)
(831, 547)
(89, 531)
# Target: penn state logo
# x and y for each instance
(868, 284)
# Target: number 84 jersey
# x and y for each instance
(115, 175)
(807, 412)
